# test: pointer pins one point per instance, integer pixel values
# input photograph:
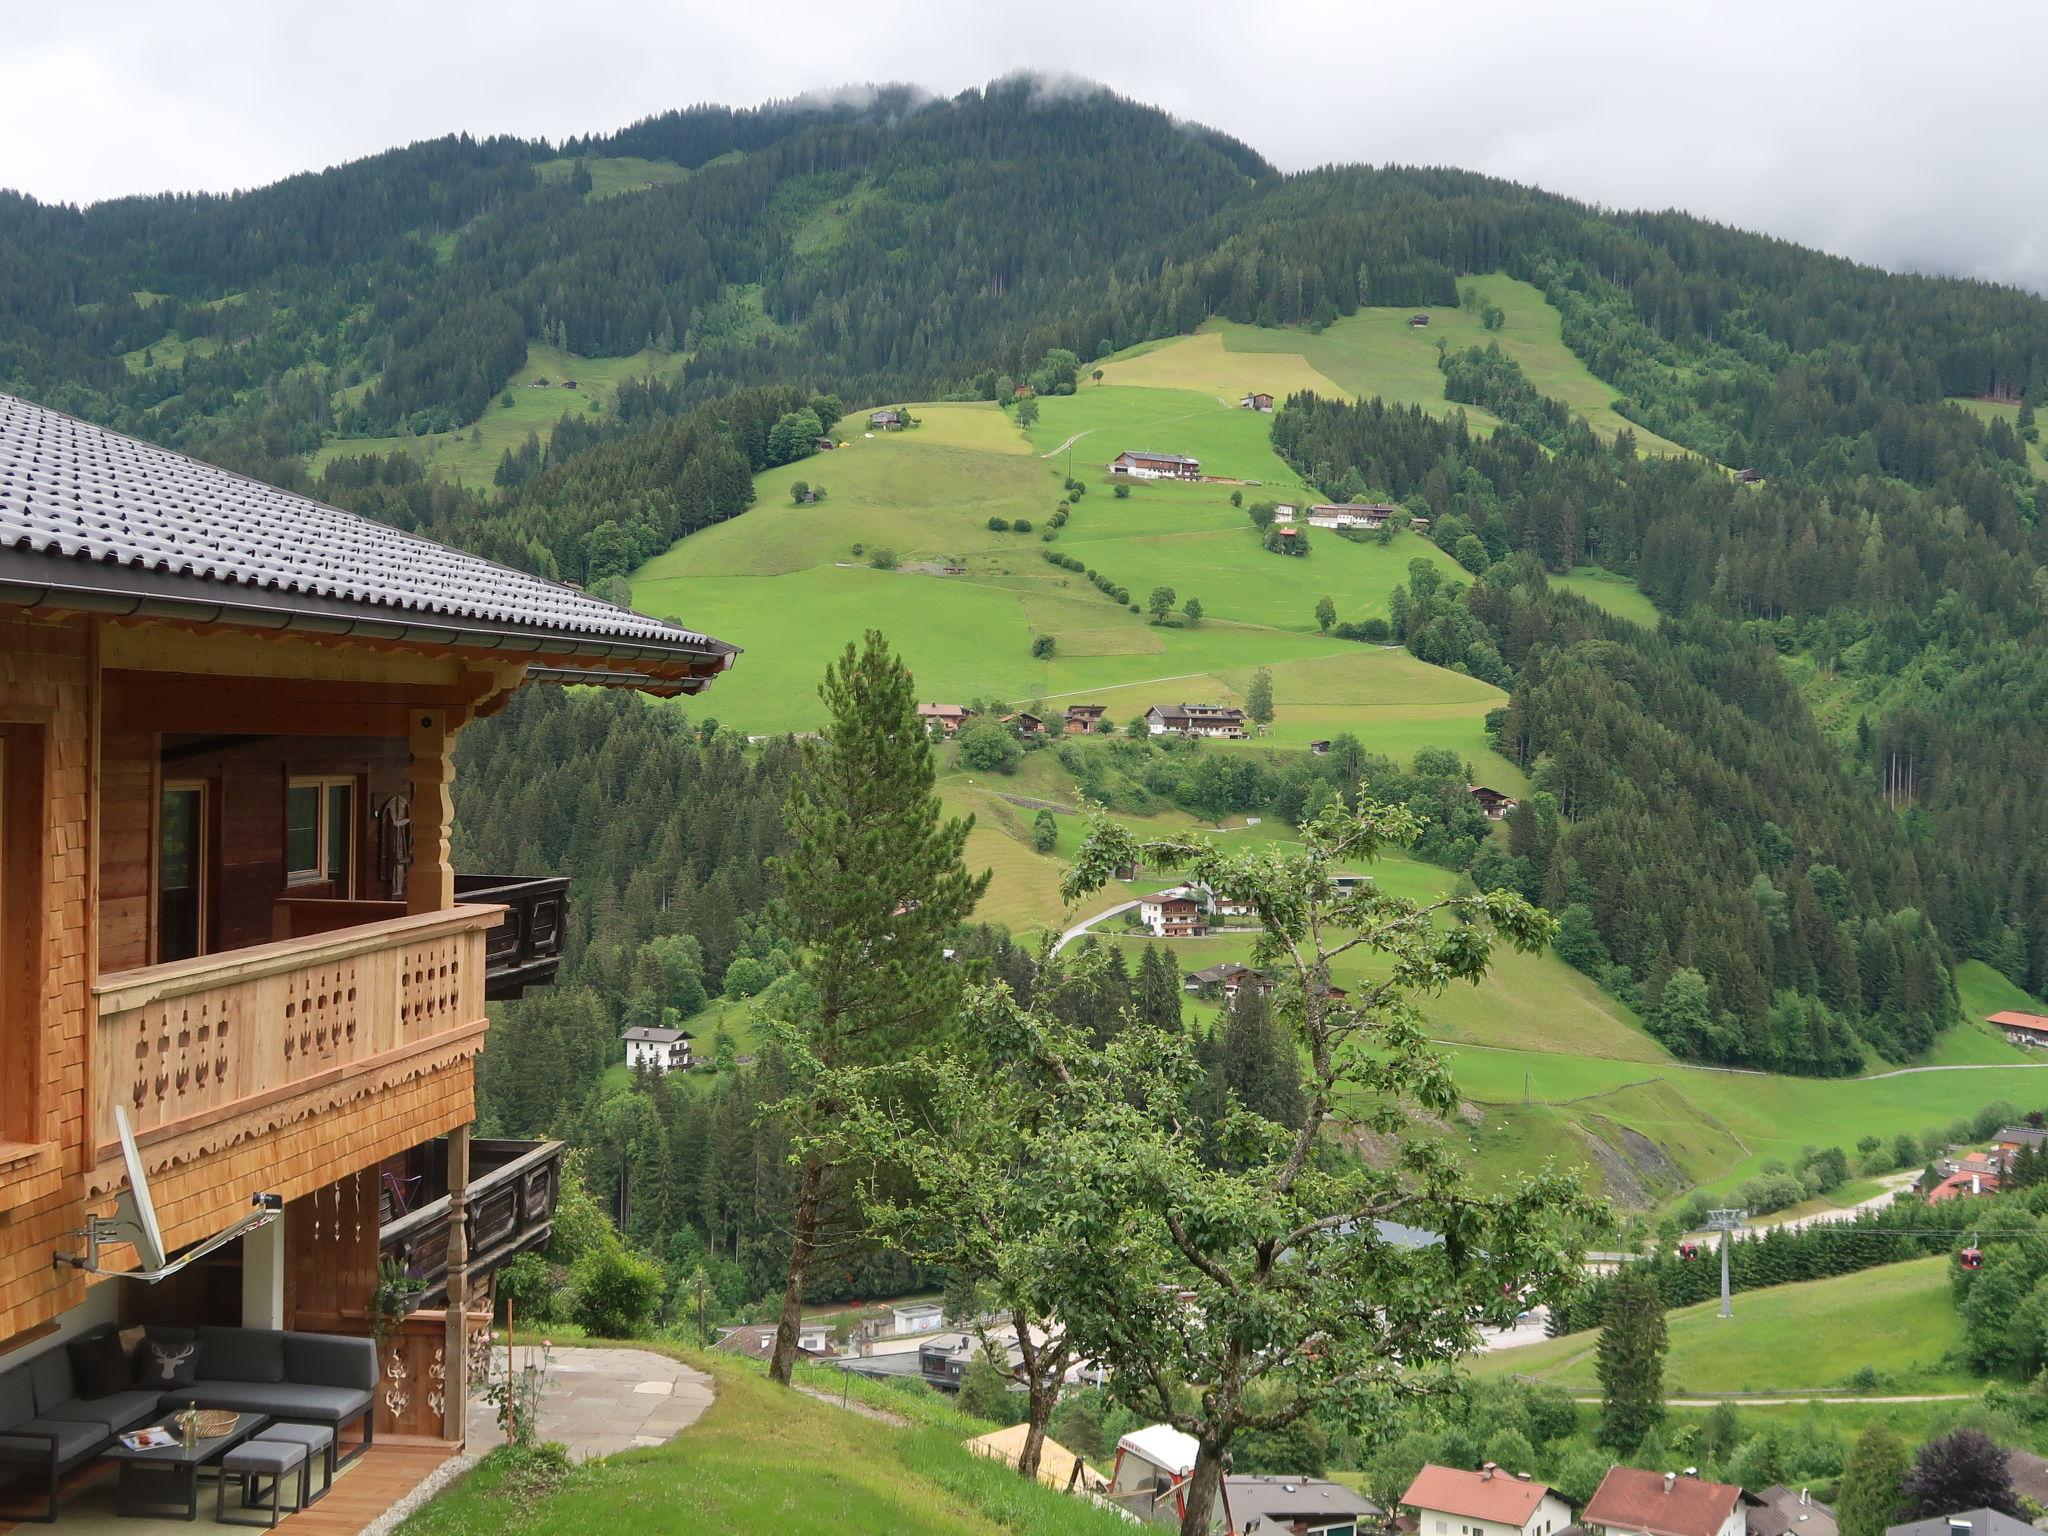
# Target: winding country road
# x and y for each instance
(1069, 935)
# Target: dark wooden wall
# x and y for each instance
(246, 779)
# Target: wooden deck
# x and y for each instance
(363, 1492)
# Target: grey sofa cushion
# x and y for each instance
(51, 1372)
(75, 1438)
(241, 1354)
(17, 1396)
(118, 1411)
(279, 1399)
(330, 1360)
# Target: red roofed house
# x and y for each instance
(1449, 1501)
(1634, 1502)
(2022, 1028)
(1962, 1184)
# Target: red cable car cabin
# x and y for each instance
(1688, 1251)
(1972, 1258)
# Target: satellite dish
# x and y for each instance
(135, 1209)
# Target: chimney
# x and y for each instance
(1670, 1481)
(1976, 1184)
(1486, 1472)
(1802, 1496)
(1692, 1471)
(1521, 1477)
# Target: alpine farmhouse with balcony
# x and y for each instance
(227, 720)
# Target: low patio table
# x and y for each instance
(165, 1479)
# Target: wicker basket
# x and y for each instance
(212, 1423)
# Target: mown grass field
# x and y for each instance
(1610, 593)
(533, 409)
(612, 175)
(766, 1459)
(1897, 1319)
(1985, 410)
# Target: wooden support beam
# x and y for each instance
(430, 882)
(455, 1356)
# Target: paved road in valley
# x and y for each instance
(1086, 923)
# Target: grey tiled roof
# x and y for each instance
(108, 511)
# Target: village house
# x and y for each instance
(1964, 1184)
(1258, 400)
(756, 1341)
(1229, 906)
(1418, 321)
(885, 421)
(917, 1317)
(1296, 1506)
(1492, 801)
(1288, 535)
(1283, 513)
(1449, 1501)
(1173, 914)
(2021, 1028)
(1319, 748)
(1082, 718)
(1155, 466)
(1024, 723)
(1782, 1511)
(2014, 1139)
(1748, 476)
(1965, 1522)
(1226, 980)
(658, 1050)
(1633, 1502)
(242, 982)
(1418, 525)
(1215, 720)
(943, 719)
(1368, 515)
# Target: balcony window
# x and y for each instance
(319, 833)
(181, 872)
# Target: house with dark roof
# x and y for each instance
(1450, 1501)
(1081, 718)
(1368, 515)
(2017, 1138)
(1257, 400)
(1142, 465)
(1492, 801)
(1221, 720)
(1631, 1501)
(756, 1341)
(1782, 1511)
(1968, 1522)
(885, 421)
(242, 977)
(657, 1050)
(1301, 1506)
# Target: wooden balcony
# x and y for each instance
(509, 1210)
(196, 1044)
(523, 950)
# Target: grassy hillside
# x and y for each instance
(762, 1458)
(784, 582)
(1985, 410)
(1897, 1319)
(1610, 593)
(470, 454)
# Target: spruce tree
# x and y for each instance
(1872, 1483)
(1158, 989)
(1630, 1360)
(872, 889)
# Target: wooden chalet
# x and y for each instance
(1749, 477)
(1025, 723)
(2019, 1027)
(885, 421)
(1219, 720)
(1351, 514)
(228, 717)
(943, 719)
(1082, 718)
(1155, 466)
(1492, 801)
(1258, 400)
(1174, 914)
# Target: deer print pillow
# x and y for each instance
(167, 1359)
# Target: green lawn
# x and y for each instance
(1984, 410)
(766, 1459)
(533, 409)
(611, 175)
(1618, 595)
(1897, 1319)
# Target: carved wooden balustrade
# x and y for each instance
(198, 1042)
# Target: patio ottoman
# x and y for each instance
(318, 1439)
(248, 1464)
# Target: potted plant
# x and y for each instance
(399, 1288)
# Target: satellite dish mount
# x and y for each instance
(134, 1221)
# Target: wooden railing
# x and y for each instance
(189, 1042)
(524, 950)
(508, 1209)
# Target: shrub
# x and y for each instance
(999, 525)
(615, 1292)
(1042, 646)
(1050, 534)
(1022, 525)
(882, 559)
(1122, 490)
(987, 747)
(529, 1285)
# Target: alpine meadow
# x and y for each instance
(1305, 777)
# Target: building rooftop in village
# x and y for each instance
(1660, 1503)
(1289, 1503)
(90, 518)
(1967, 1522)
(1782, 1511)
(650, 1035)
(1490, 1494)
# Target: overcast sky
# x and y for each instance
(1907, 135)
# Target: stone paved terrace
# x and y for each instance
(604, 1400)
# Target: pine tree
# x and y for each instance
(1872, 1483)
(1159, 995)
(872, 888)
(1630, 1360)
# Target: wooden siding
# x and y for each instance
(127, 853)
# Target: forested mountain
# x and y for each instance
(1812, 870)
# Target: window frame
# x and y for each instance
(323, 786)
(202, 865)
